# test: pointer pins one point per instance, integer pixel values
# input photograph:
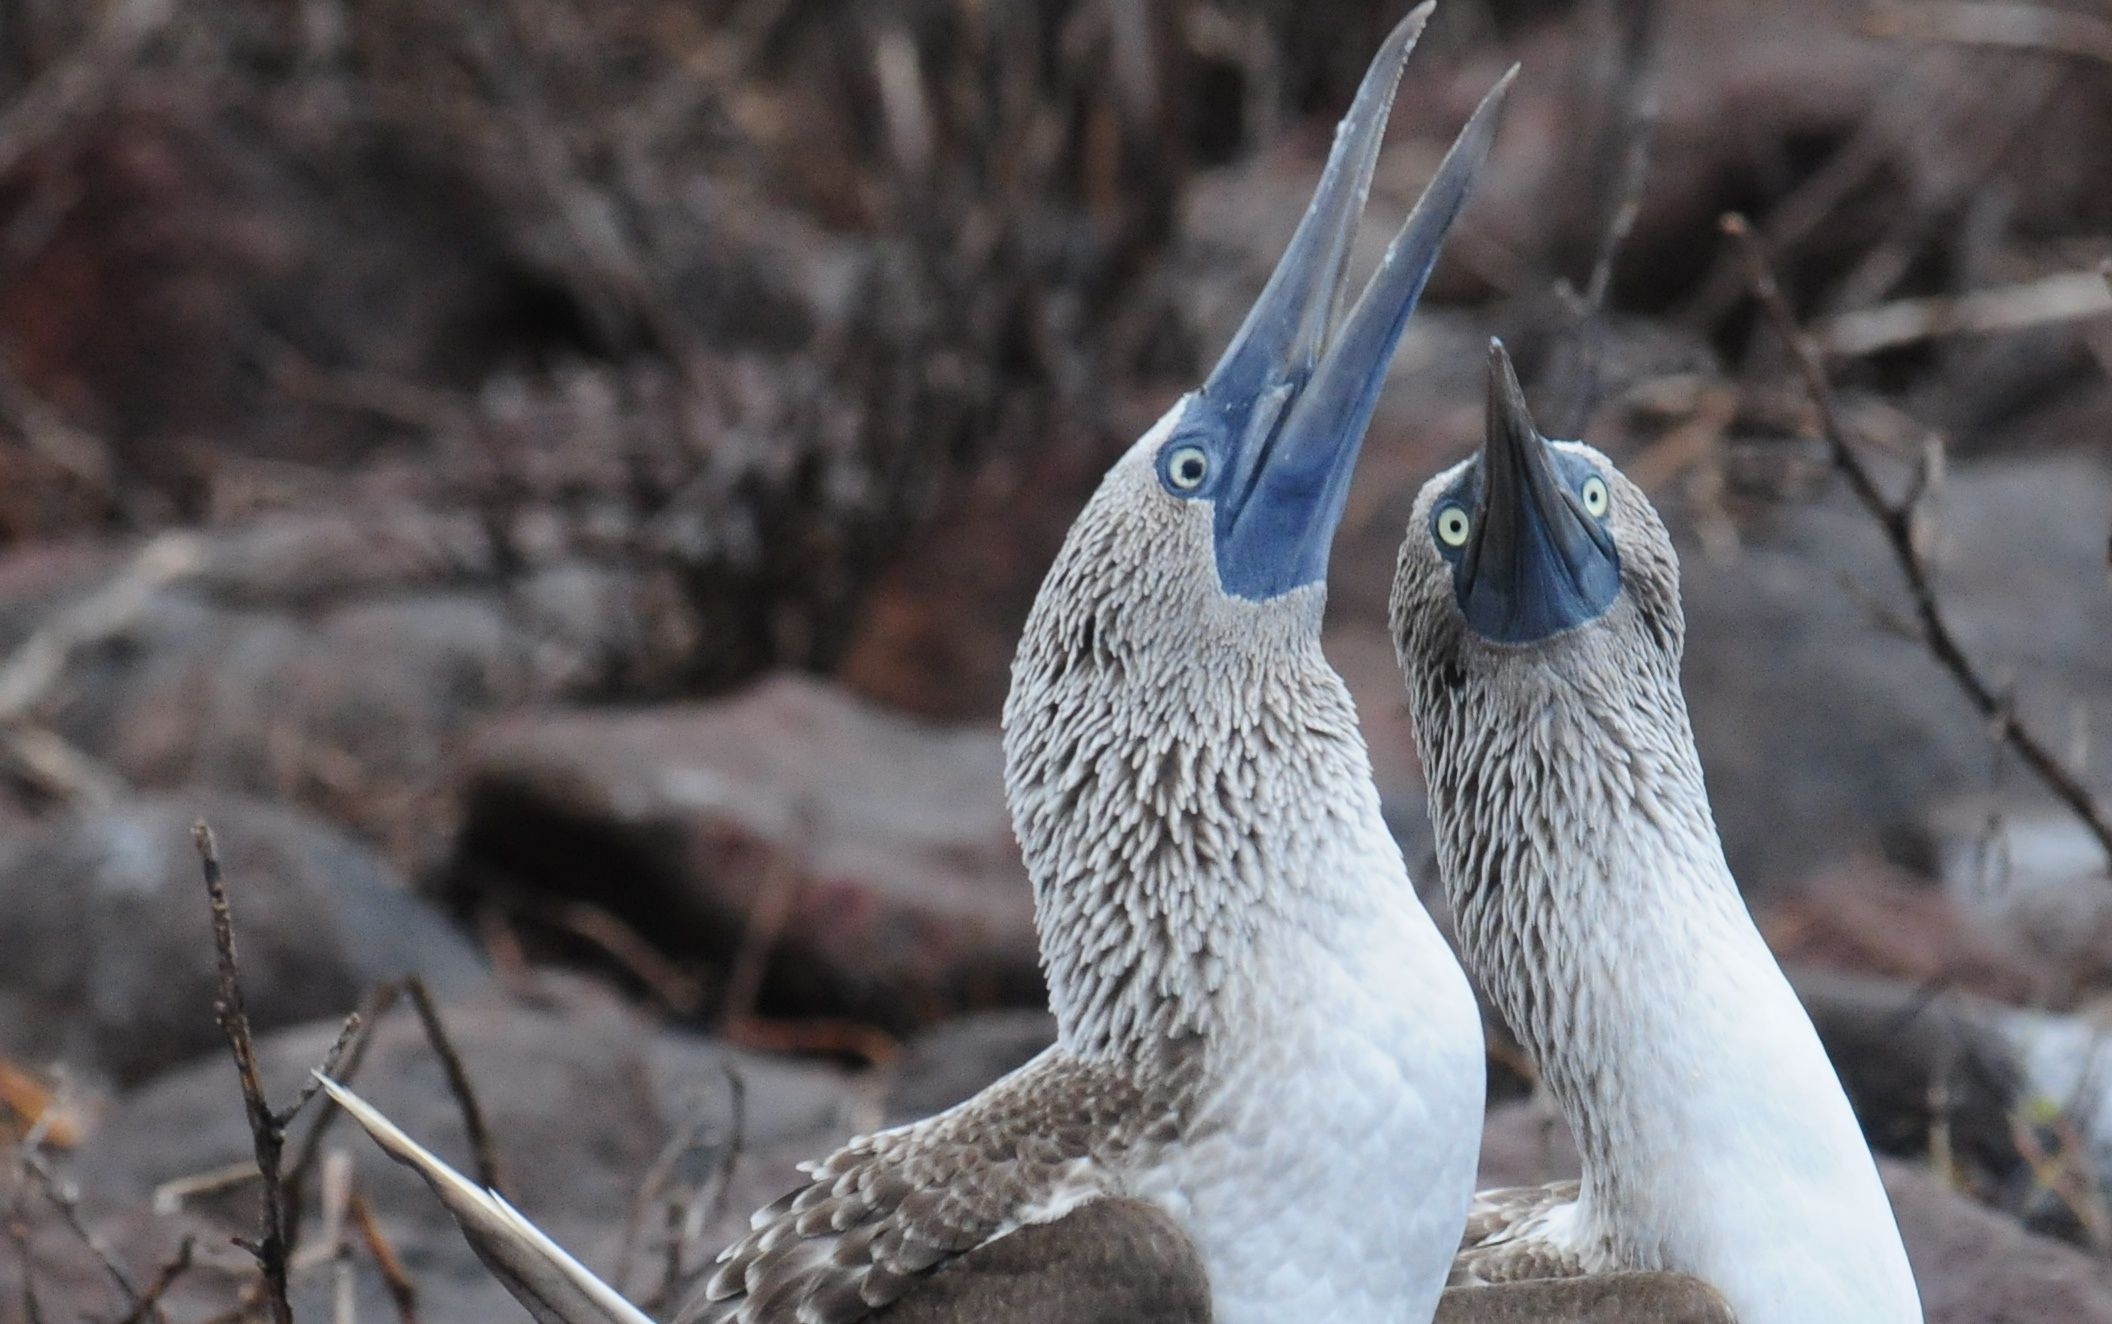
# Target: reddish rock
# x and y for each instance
(885, 841)
(1868, 919)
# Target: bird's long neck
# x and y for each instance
(1185, 815)
(1592, 899)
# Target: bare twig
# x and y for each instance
(64, 94)
(172, 1194)
(765, 924)
(2064, 1173)
(267, 1129)
(149, 1303)
(1900, 523)
(58, 768)
(2020, 27)
(18, 1236)
(680, 992)
(1631, 137)
(403, 1293)
(686, 1213)
(480, 1147)
(688, 1218)
(62, 1198)
(2066, 297)
(345, 1060)
(29, 673)
(337, 1200)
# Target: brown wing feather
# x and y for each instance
(880, 1215)
(1111, 1261)
(1605, 1298)
(1516, 1233)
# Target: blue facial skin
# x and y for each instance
(1280, 420)
(1274, 515)
(1543, 570)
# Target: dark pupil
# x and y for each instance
(1191, 469)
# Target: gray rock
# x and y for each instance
(886, 841)
(1823, 733)
(106, 950)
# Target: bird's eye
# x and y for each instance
(1187, 467)
(1595, 496)
(1453, 526)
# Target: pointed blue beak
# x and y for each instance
(1538, 564)
(1286, 408)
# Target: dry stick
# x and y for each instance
(267, 1131)
(69, 1208)
(1897, 523)
(67, 92)
(18, 1234)
(343, 1067)
(658, 1174)
(337, 1199)
(688, 1215)
(457, 1082)
(730, 1157)
(149, 1300)
(2065, 296)
(1638, 129)
(768, 913)
(2021, 27)
(403, 1293)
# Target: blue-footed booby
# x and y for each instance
(1264, 1101)
(1537, 617)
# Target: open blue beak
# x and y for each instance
(1537, 563)
(1286, 407)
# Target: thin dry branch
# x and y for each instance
(29, 674)
(267, 1129)
(63, 1199)
(337, 1199)
(1898, 522)
(351, 1039)
(2017, 27)
(149, 1304)
(480, 1146)
(2066, 297)
(681, 993)
(398, 1282)
(403, 1293)
(1632, 135)
(343, 1064)
(686, 1213)
(69, 90)
(18, 1235)
(17, 1219)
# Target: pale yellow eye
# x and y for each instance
(1595, 496)
(1453, 526)
(1187, 467)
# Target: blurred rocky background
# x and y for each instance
(556, 485)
